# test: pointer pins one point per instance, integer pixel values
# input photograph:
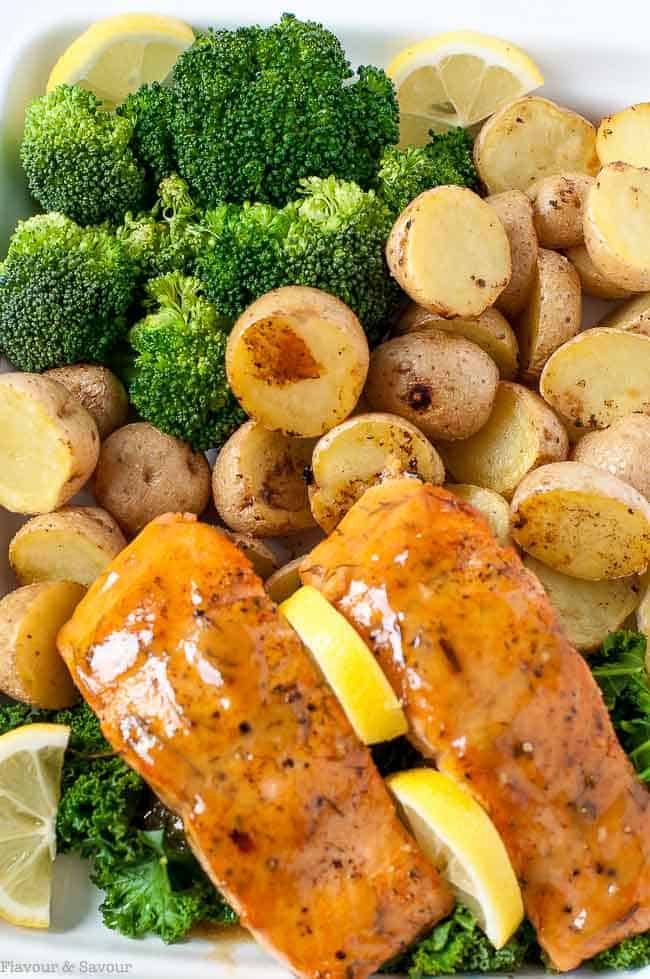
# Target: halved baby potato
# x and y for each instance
(285, 581)
(258, 482)
(625, 136)
(73, 544)
(521, 433)
(100, 392)
(449, 252)
(582, 521)
(490, 331)
(494, 507)
(516, 213)
(532, 138)
(643, 614)
(593, 282)
(552, 315)
(588, 610)
(623, 450)
(258, 553)
(297, 361)
(617, 218)
(558, 208)
(363, 451)
(633, 315)
(599, 376)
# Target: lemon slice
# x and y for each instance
(348, 666)
(458, 79)
(117, 55)
(31, 758)
(460, 839)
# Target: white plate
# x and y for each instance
(596, 58)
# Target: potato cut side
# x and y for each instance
(633, 315)
(592, 280)
(625, 136)
(361, 452)
(588, 610)
(494, 507)
(49, 444)
(617, 219)
(516, 213)
(297, 361)
(285, 581)
(258, 482)
(582, 521)
(558, 208)
(31, 669)
(73, 544)
(449, 252)
(552, 315)
(490, 331)
(623, 450)
(599, 376)
(533, 138)
(258, 553)
(521, 434)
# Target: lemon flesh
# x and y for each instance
(31, 760)
(348, 666)
(458, 79)
(115, 56)
(459, 838)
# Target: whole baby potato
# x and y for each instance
(100, 392)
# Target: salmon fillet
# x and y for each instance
(498, 698)
(208, 693)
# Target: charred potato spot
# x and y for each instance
(279, 356)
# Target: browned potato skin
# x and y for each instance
(553, 314)
(515, 210)
(558, 208)
(143, 473)
(623, 450)
(444, 384)
(593, 282)
(258, 553)
(100, 392)
(258, 482)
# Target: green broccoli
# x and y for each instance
(254, 110)
(163, 239)
(64, 293)
(78, 158)
(405, 173)
(332, 238)
(178, 378)
(148, 111)
(631, 953)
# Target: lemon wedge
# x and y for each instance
(31, 759)
(458, 79)
(348, 666)
(460, 839)
(117, 55)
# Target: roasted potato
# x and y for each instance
(599, 376)
(258, 482)
(494, 507)
(558, 208)
(449, 252)
(623, 450)
(100, 392)
(593, 282)
(297, 360)
(643, 614)
(31, 669)
(73, 544)
(49, 444)
(521, 434)
(625, 136)
(258, 553)
(617, 218)
(143, 473)
(633, 315)
(516, 213)
(442, 383)
(285, 581)
(588, 610)
(361, 452)
(532, 138)
(490, 331)
(552, 315)
(582, 521)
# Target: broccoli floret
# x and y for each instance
(405, 173)
(631, 953)
(256, 109)
(148, 111)
(163, 239)
(332, 238)
(178, 379)
(64, 293)
(78, 158)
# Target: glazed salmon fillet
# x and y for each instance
(208, 693)
(503, 703)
